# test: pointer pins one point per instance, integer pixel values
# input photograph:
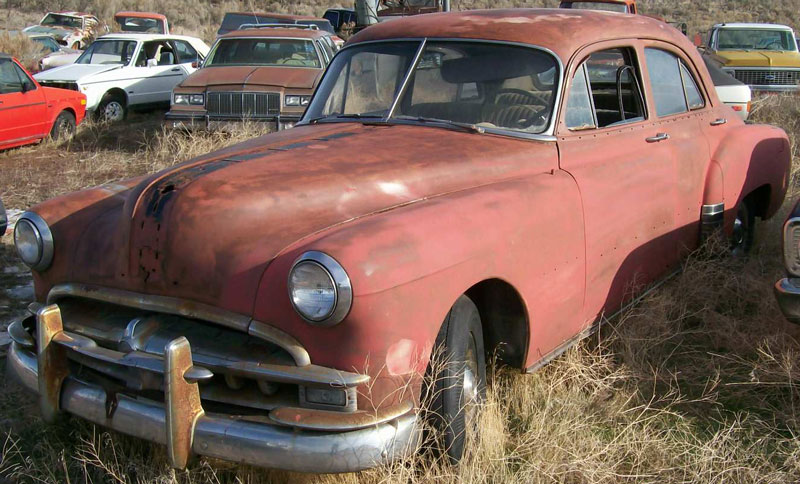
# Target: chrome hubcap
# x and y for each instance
(113, 111)
(469, 384)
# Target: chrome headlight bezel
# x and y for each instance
(343, 291)
(791, 246)
(44, 240)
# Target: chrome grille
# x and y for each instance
(243, 104)
(72, 86)
(768, 77)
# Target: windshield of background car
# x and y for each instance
(48, 43)
(321, 24)
(490, 85)
(56, 20)
(108, 52)
(138, 24)
(264, 52)
(755, 39)
(608, 7)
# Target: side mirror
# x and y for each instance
(26, 86)
(196, 65)
(152, 63)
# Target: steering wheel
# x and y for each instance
(778, 45)
(537, 99)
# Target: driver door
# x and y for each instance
(22, 106)
(158, 71)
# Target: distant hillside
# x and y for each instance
(201, 17)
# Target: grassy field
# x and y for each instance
(699, 382)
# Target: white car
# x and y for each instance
(730, 91)
(119, 72)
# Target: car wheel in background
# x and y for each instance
(112, 109)
(63, 127)
(743, 234)
(3, 219)
(456, 380)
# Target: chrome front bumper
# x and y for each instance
(181, 423)
(787, 292)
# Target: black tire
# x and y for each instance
(63, 127)
(3, 219)
(458, 357)
(112, 109)
(743, 235)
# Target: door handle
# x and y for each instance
(175, 70)
(719, 122)
(657, 138)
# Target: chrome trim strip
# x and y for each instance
(404, 85)
(185, 308)
(321, 420)
(712, 210)
(259, 444)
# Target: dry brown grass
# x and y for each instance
(23, 48)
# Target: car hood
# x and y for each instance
(206, 230)
(74, 72)
(760, 58)
(286, 77)
(54, 31)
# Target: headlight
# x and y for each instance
(34, 241)
(319, 289)
(180, 99)
(294, 100)
(196, 99)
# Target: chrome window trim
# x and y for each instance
(546, 135)
(343, 298)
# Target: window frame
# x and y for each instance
(577, 61)
(687, 61)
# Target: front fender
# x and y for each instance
(408, 265)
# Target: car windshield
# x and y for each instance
(755, 39)
(139, 24)
(264, 52)
(605, 6)
(108, 52)
(478, 85)
(57, 20)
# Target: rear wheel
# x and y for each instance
(63, 127)
(458, 379)
(743, 234)
(112, 109)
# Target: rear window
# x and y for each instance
(136, 24)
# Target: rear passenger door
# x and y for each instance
(680, 106)
(611, 143)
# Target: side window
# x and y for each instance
(24, 78)
(186, 53)
(693, 96)
(674, 90)
(156, 52)
(615, 87)
(579, 114)
(10, 82)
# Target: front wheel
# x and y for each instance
(112, 109)
(63, 127)
(743, 234)
(458, 379)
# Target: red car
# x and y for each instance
(486, 182)
(29, 112)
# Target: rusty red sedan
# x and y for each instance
(30, 112)
(461, 184)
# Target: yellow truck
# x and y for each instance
(763, 56)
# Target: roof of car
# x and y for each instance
(277, 32)
(276, 15)
(144, 36)
(626, 2)
(3, 55)
(72, 13)
(140, 15)
(742, 25)
(563, 31)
